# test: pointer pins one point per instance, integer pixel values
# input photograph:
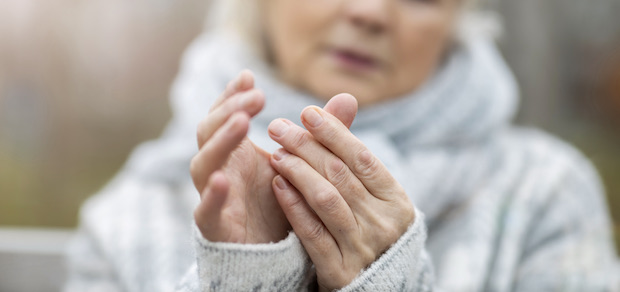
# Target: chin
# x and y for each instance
(328, 84)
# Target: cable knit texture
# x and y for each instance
(504, 208)
(225, 266)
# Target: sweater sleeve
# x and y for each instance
(106, 256)
(281, 266)
(570, 247)
(405, 266)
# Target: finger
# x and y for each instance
(336, 137)
(300, 142)
(242, 82)
(314, 236)
(208, 213)
(215, 152)
(344, 107)
(251, 102)
(320, 194)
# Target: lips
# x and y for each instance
(355, 59)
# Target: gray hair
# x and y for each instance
(243, 17)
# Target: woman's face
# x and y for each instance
(373, 49)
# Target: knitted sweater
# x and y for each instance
(499, 208)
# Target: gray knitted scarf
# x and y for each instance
(419, 136)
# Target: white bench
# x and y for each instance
(31, 259)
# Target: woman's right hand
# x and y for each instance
(233, 175)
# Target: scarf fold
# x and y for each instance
(472, 96)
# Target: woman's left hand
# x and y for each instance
(342, 202)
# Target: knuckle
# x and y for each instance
(366, 165)
(329, 134)
(314, 232)
(367, 255)
(294, 202)
(288, 163)
(408, 213)
(336, 172)
(365, 251)
(391, 233)
(300, 139)
(404, 210)
(327, 200)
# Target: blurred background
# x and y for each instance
(83, 82)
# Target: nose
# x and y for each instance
(369, 15)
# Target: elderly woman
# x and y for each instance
(427, 188)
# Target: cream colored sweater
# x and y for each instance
(499, 208)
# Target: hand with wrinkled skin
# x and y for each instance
(344, 205)
(233, 175)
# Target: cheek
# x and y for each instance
(295, 29)
(419, 46)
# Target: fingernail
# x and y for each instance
(312, 117)
(279, 154)
(278, 127)
(280, 183)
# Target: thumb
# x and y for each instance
(344, 107)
